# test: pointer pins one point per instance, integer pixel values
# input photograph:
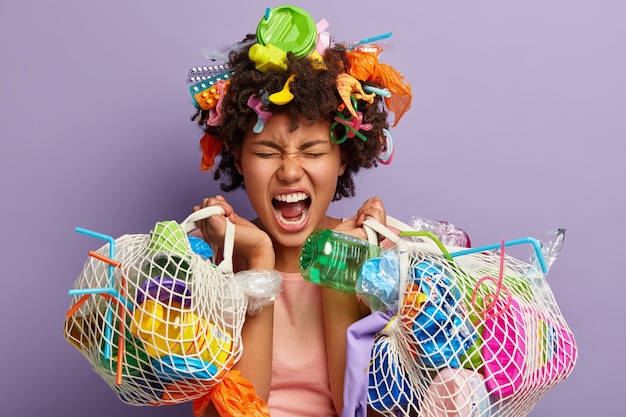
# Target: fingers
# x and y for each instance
(373, 207)
(218, 201)
(213, 227)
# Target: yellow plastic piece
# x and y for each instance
(317, 60)
(283, 96)
(152, 322)
(169, 330)
(267, 56)
(199, 337)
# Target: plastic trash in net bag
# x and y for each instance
(476, 332)
(157, 319)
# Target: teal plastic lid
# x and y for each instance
(289, 28)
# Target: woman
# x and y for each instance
(293, 133)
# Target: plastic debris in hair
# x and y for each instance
(200, 87)
(208, 99)
(267, 57)
(201, 73)
(289, 28)
(285, 95)
(386, 155)
(214, 101)
(383, 92)
(364, 66)
(256, 103)
(324, 39)
(210, 147)
(349, 87)
(351, 125)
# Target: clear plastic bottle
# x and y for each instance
(333, 259)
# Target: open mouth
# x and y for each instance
(291, 209)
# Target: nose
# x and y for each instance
(290, 169)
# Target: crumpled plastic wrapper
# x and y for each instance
(447, 233)
(261, 286)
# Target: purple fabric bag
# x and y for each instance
(360, 340)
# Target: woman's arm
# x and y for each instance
(254, 248)
(342, 309)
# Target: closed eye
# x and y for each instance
(267, 155)
(313, 154)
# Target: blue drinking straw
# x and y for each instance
(450, 255)
(380, 91)
(374, 38)
(108, 319)
(534, 242)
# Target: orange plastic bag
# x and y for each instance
(234, 396)
(211, 147)
(364, 66)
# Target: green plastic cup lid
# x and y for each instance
(289, 28)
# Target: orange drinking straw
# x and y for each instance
(121, 344)
(76, 306)
(121, 340)
(84, 298)
(103, 258)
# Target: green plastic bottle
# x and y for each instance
(333, 259)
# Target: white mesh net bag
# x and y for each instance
(475, 332)
(155, 317)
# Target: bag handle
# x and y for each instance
(229, 235)
(432, 244)
(373, 226)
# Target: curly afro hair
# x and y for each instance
(315, 97)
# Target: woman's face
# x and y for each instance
(290, 177)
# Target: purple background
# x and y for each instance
(515, 129)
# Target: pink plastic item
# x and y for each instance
(556, 347)
(510, 365)
(504, 349)
(456, 393)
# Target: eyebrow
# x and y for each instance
(305, 145)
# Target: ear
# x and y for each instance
(344, 163)
(237, 158)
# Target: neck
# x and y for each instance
(287, 258)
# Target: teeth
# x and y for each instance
(291, 198)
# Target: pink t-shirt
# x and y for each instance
(300, 386)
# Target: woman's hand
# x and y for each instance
(252, 244)
(373, 207)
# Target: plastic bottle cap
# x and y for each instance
(289, 28)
